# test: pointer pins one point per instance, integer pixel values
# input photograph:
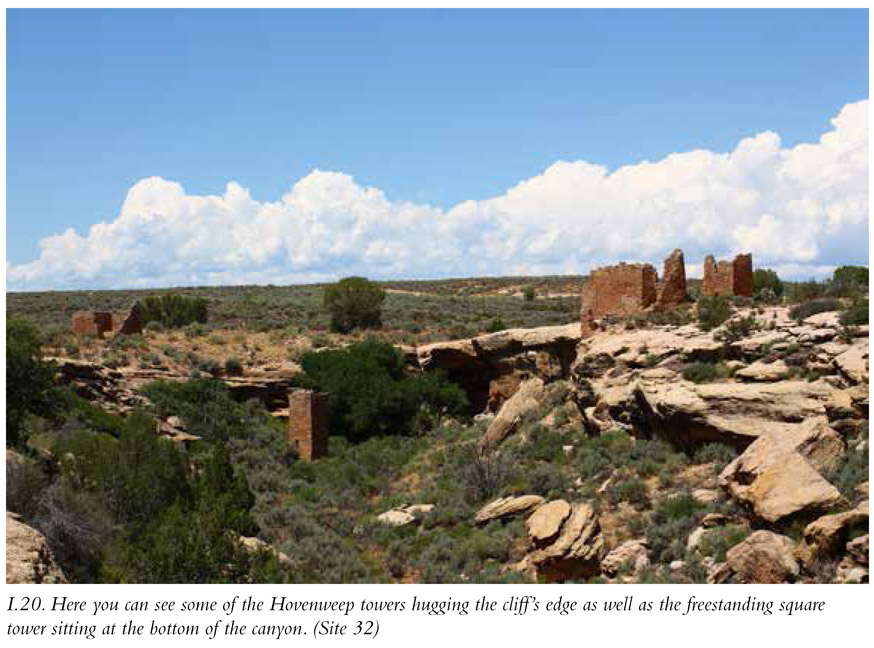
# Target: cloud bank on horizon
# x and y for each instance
(801, 210)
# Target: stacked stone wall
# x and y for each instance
(309, 423)
(93, 323)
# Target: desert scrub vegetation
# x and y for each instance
(704, 372)
(118, 503)
(719, 454)
(767, 280)
(137, 508)
(814, 307)
(672, 520)
(174, 310)
(431, 308)
(713, 312)
(856, 314)
(29, 380)
(736, 329)
(852, 469)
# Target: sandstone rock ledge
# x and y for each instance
(28, 557)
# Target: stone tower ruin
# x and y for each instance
(95, 323)
(308, 423)
(99, 323)
(632, 288)
(728, 278)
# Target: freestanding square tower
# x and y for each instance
(309, 417)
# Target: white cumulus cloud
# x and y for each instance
(802, 210)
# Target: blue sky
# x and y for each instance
(430, 107)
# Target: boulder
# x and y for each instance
(853, 363)
(506, 507)
(764, 557)
(576, 552)
(632, 555)
(854, 566)
(777, 476)
(752, 345)
(763, 372)
(732, 413)
(829, 319)
(858, 550)
(527, 398)
(29, 559)
(544, 524)
(257, 545)
(403, 515)
(826, 535)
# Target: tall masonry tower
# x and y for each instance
(309, 417)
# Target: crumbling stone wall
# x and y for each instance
(628, 289)
(99, 323)
(308, 423)
(672, 291)
(129, 323)
(623, 289)
(728, 278)
(94, 323)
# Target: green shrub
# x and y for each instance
(136, 476)
(702, 372)
(672, 521)
(354, 302)
(89, 414)
(852, 470)
(29, 380)
(154, 327)
(481, 472)
(76, 526)
(25, 482)
(128, 342)
(805, 310)
(191, 540)
(496, 326)
(856, 315)
(715, 542)
(713, 311)
(764, 279)
(372, 394)
(632, 490)
(545, 479)
(204, 404)
(736, 330)
(716, 453)
(174, 311)
(529, 293)
(233, 367)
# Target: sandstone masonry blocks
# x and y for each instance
(623, 289)
(728, 278)
(632, 288)
(672, 291)
(99, 323)
(308, 423)
(92, 323)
